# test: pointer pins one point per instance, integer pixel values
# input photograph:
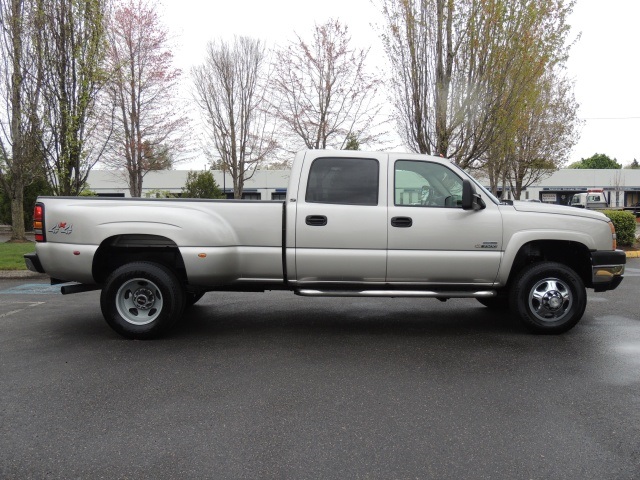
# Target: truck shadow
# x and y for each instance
(381, 317)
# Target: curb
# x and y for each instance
(4, 274)
(635, 254)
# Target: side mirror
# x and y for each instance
(470, 199)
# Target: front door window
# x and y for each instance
(424, 184)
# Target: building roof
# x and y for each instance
(590, 178)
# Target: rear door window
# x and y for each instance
(347, 181)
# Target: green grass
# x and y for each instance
(11, 255)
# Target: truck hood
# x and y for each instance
(557, 210)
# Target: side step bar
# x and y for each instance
(396, 293)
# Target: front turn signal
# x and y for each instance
(614, 241)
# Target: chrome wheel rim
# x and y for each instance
(550, 299)
(139, 301)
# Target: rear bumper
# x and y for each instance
(33, 262)
(607, 269)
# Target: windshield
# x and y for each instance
(484, 190)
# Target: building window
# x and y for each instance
(278, 196)
(251, 196)
(106, 195)
(346, 181)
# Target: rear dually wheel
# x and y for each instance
(142, 300)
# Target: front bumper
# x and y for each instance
(607, 269)
(33, 262)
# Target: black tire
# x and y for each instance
(499, 303)
(548, 297)
(191, 298)
(141, 300)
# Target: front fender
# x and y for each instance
(519, 239)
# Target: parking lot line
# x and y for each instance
(12, 312)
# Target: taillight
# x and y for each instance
(613, 236)
(38, 222)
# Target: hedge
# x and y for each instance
(625, 223)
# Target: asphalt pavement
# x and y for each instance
(274, 386)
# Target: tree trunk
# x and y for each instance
(237, 188)
(444, 70)
(17, 215)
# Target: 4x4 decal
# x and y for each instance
(62, 227)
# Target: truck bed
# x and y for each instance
(220, 241)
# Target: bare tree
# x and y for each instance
(142, 89)
(72, 35)
(544, 132)
(230, 91)
(323, 94)
(422, 40)
(460, 65)
(20, 90)
(617, 182)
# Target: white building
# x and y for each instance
(621, 187)
(264, 185)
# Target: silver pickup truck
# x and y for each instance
(361, 224)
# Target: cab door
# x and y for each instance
(341, 219)
(432, 240)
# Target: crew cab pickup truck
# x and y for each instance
(361, 224)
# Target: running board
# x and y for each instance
(396, 293)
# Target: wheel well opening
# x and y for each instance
(572, 254)
(119, 250)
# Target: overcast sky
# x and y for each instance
(604, 62)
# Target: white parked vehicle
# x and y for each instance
(593, 199)
(364, 224)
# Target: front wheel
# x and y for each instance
(548, 297)
(141, 300)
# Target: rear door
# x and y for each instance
(341, 218)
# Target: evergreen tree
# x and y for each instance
(352, 142)
(201, 185)
(597, 161)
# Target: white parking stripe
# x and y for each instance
(27, 305)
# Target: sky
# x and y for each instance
(604, 60)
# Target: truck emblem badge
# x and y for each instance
(62, 227)
(487, 245)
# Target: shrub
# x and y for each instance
(201, 185)
(625, 223)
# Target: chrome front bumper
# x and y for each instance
(607, 269)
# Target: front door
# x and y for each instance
(432, 240)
